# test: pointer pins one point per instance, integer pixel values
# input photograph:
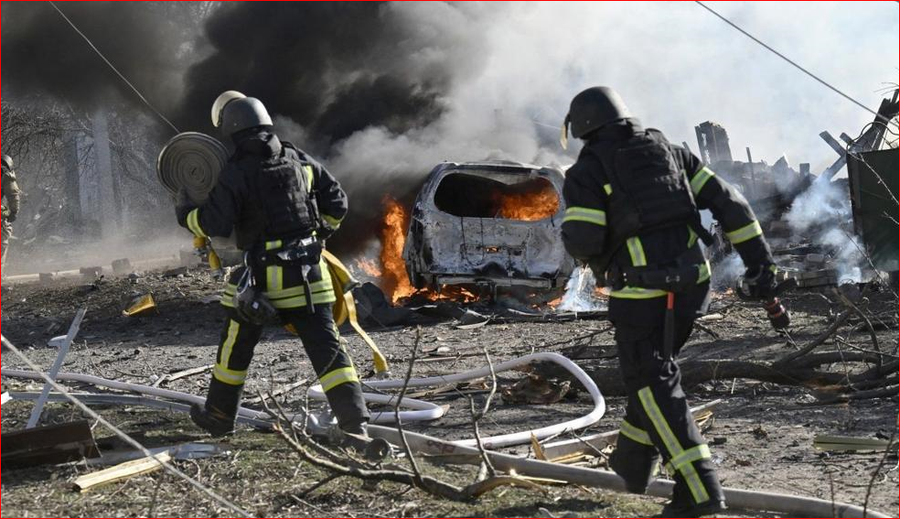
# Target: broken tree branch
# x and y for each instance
(818, 341)
(477, 416)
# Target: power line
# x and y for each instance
(121, 434)
(794, 63)
(121, 76)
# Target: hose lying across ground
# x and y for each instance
(792, 506)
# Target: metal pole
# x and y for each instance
(63, 351)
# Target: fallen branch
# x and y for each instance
(278, 392)
(818, 341)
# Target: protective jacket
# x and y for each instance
(269, 194)
(603, 207)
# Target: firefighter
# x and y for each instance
(633, 202)
(12, 194)
(281, 205)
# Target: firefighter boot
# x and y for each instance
(635, 463)
(684, 504)
(217, 416)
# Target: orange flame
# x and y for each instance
(368, 267)
(529, 206)
(395, 280)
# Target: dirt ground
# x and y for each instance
(764, 432)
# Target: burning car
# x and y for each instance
(489, 223)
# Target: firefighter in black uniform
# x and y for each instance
(632, 214)
(281, 205)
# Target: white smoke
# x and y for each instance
(823, 215)
(580, 293)
(673, 63)
(727, 272)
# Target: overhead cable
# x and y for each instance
(795, 64)
(113, 67)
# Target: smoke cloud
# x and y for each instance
(147, 42)
(381, 92)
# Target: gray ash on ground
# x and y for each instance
(263, 476)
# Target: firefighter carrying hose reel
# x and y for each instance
(281, 205)
(633, 202)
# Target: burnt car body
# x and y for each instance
(489, 223)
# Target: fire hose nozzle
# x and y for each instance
(778, 314)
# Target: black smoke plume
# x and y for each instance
(333, 69)
(325, 70)
(146, 41)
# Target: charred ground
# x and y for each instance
(767, 429)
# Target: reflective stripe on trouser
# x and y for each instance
(236, 346)
(658, 406)
(333, 365)
(635, 446)
(323, 347)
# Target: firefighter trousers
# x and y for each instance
(658, 421)
(319, 335)
(7, 234)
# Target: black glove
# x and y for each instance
(325, 231)
(761, 283)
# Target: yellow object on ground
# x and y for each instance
(345, 307)
(141, 305)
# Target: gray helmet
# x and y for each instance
(8, 162)
(594, 108)
(243, 114)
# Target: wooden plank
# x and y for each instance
(120, 472)
(851, 444)
(52, 444)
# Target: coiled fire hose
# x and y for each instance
(791, 506)
(191, 162)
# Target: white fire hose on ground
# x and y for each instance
(495, 441)
(792, 506)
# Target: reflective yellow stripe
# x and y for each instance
(692, 237)
(585, 214)
(700, 179)
(309, 177)
(748, 232)
(335, 223)
(316, 288)
(635, 434)
(608, 189)
(337, 377)
(300, 301)
(704, 273)
(193, 223)
(274, 278)
(636, 250)
(648, 401)
(698, 453)
(637, 293)
(272, 245)
(222, 372)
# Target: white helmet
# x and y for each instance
(219, 106)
